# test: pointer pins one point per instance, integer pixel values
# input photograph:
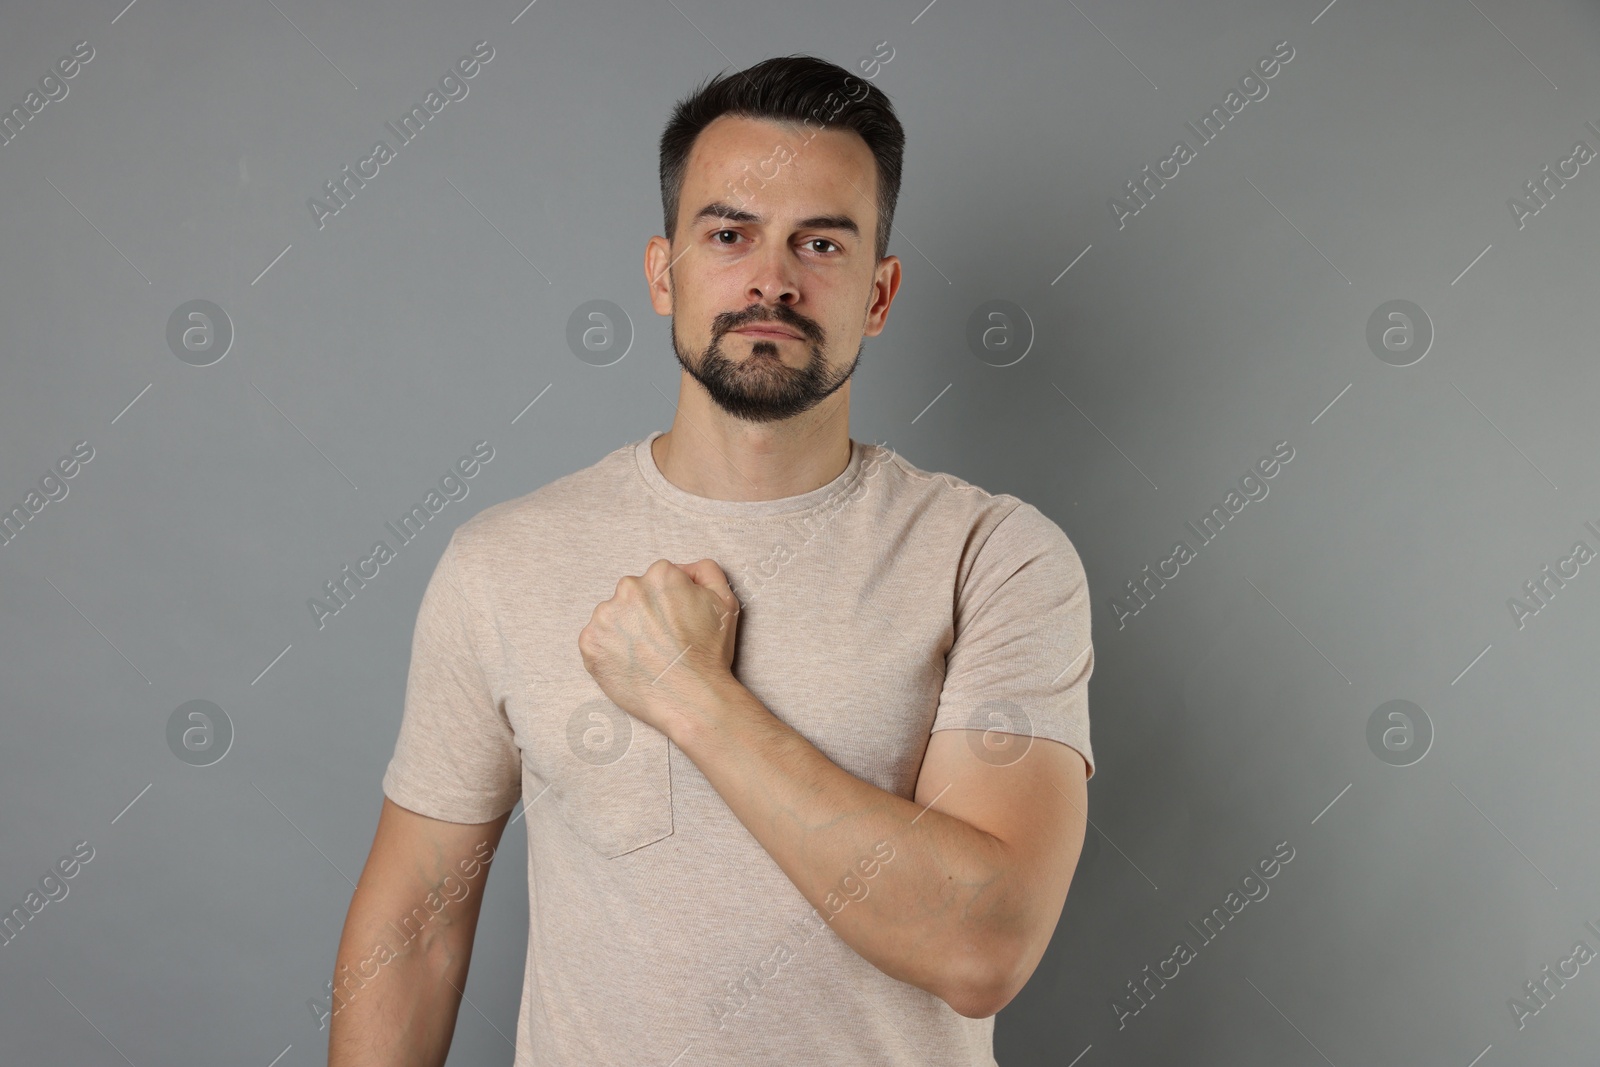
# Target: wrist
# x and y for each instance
(704, 710)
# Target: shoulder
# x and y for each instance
(998, 526)
(512, 532)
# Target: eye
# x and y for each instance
(824, 240)
(719, 233)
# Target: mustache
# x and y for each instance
(729, 321)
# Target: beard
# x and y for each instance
(760, 387)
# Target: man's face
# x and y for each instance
(775, 233)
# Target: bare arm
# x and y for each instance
(407, 940)
(959, 900)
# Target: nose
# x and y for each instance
(774, 279)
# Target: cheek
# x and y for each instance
(839, 305)
(711, 290)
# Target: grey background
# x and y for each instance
(1229, 715)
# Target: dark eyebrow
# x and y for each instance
(719, 210)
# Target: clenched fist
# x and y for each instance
(663, 640)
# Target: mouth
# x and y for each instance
(769, 332)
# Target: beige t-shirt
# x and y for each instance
(884, 605)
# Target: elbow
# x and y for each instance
(991, 963)
(980, 1002)
(982, 990)
(974, 1007)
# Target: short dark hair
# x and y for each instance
(792, 89)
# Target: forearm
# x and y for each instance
(404, 1014)
(938, 913)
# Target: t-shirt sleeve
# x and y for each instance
(1022, 655)
(456, 757)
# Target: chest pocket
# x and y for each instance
(609, 774)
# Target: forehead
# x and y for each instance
(762, 157)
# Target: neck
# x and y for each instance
(715, 455)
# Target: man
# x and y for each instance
(801, 730)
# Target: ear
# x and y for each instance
(885, 284)
(658, 278)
